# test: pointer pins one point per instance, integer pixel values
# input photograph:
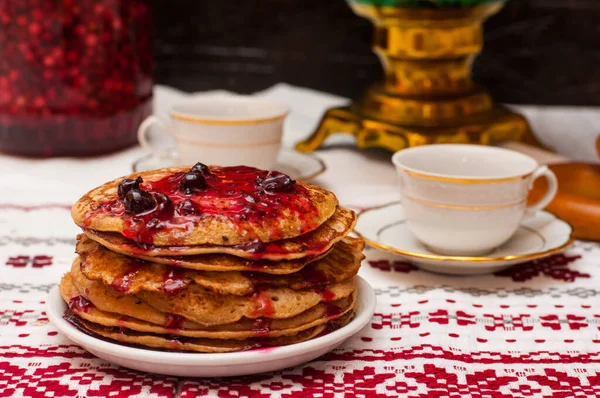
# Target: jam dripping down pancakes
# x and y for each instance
(211, 259)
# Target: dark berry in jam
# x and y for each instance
(187, 208)
(127, 185)
(192, 182)
(163, 203)
(201, 168)
(139, 201)
(277, 182)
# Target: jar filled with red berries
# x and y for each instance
(75, 75)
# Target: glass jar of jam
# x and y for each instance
(75, 75)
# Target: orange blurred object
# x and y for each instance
(578, 197)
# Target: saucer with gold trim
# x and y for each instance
(385, 227)
(299, 166)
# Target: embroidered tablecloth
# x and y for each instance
(532, 330)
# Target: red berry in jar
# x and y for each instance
(78, 80)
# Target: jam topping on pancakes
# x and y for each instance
(79, 304)
(173, 281)
(261, 327)
(332, 310)
(263, 304)
(306, 244)
(174, 321)
(326, 294)
(241, 194)
(122, 283)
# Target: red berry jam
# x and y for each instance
(262, 304)
(230, 193)
(315, 276)
(312, 277)
(261, 327)
(174, 321)
(307, 245)
(75, 75)
(332, 310)
(80, 304)
(122, 283)
(326, 294)
(173, 281)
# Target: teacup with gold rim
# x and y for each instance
(465, 200)
(226, 131)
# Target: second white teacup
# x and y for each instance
(224, 131)
(465, 200)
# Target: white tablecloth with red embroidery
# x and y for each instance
(533, 330)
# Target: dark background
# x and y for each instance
(536, 51)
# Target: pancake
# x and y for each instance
(213, 262)
(203, 307)
(176, 343)
(207, 308)
(243, 329)
(130, 276)
(175, 325)
(74, 285)
(312, 244)
(234, 206)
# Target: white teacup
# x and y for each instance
(465, 200)
(224, 131)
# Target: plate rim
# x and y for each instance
(463, 259)
(56, 307)
(322, 165)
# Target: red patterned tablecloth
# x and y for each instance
(533, 330)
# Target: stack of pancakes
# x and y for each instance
(211, 259)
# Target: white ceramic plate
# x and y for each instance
(299, 166)
(385, 227)
(214, 365)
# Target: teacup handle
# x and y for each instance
(543, 171)
(143, 130)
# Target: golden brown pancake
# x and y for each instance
(176, 343)
(207, 308)
(174, 325)
(130, 276)
(233, 208)
(203, 307)
(215, 262)
(202, 262)
(74, 284)
(242, 329)
(311, 244)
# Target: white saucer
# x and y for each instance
(214, 365)
(299, 166)
(385, 227)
